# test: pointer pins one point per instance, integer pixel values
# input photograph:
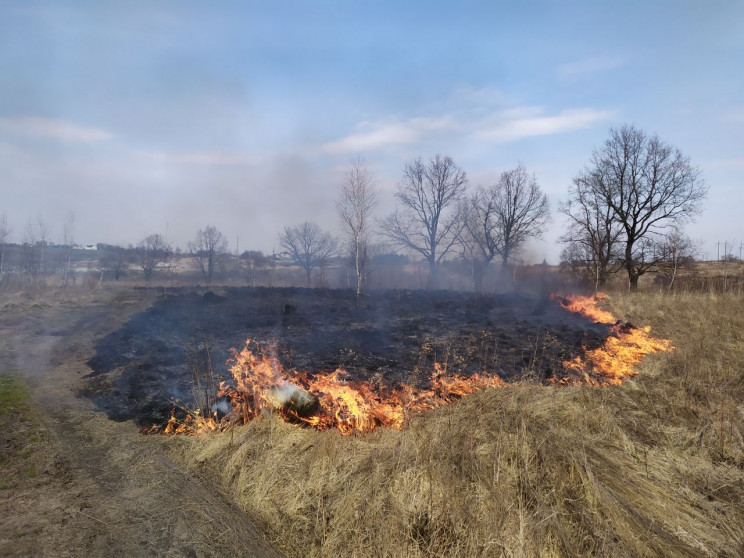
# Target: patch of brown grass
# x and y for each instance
(651, 468)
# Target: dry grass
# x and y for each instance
(651, 468)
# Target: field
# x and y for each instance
(653, 467)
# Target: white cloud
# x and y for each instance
(53, 129)
(516, 124)
(380, 135)
(472, 122)
(590, 66)
(202, 158)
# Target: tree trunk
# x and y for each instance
(674, 276)
(505, 268)
(433, 281)
(632, 281)
(479, 272)
(358, 268)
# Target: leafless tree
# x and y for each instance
(501, 218)
(208, 250)
(521, 210)
(431, 218)
(34, 244)
(42, 241)
(649, 186)
(480, 240)
(357, 200)
(153, 251)
(4, 235)
(309, 246)
(675, 250)
(116, 259)
(68, 235)
(593, 236)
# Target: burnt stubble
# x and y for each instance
(393, 337)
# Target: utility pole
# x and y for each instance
(718, 251)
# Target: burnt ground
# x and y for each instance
(143, 367)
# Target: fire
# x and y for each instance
(322, 400)
(617, 358)
(327, 400)
(586, 306)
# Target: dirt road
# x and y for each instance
(84, 485)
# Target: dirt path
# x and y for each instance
(97, 487)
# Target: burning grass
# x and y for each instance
(618, 358)
(260, 384)
(322, 400)
(653, 467)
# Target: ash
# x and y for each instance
(394, 337)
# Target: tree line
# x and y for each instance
(624, 210)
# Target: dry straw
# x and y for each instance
(649, 468)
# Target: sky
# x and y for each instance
(165, 117)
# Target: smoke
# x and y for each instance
(220, 408)
(289, 396)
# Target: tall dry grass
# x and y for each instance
(651, 468)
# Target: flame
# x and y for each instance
(326, 400)
(617, 358)
(322, 400)
(586, 306)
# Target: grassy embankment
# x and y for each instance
(654, 467)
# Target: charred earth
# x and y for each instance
(146, 367)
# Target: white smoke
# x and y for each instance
(290, 394)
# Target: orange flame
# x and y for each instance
(586, 306)
(322, 400)
(329, 400)
(617, 358)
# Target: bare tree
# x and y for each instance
(68, 234)
(116, 259)
(358, 198)
(208, 250)
(480, 240)
(649, 186)
(43, 241)
(153, 251)
(4, 235)
(34, 244)
(501, 218)
(593, 237)
(309, 246)
(431, 218)
(674, 252)
(521, 210)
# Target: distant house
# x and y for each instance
(86, 247)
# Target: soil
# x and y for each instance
(146, 367)
(79, 484)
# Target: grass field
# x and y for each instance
(654, 467)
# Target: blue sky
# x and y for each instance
(142, 117)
